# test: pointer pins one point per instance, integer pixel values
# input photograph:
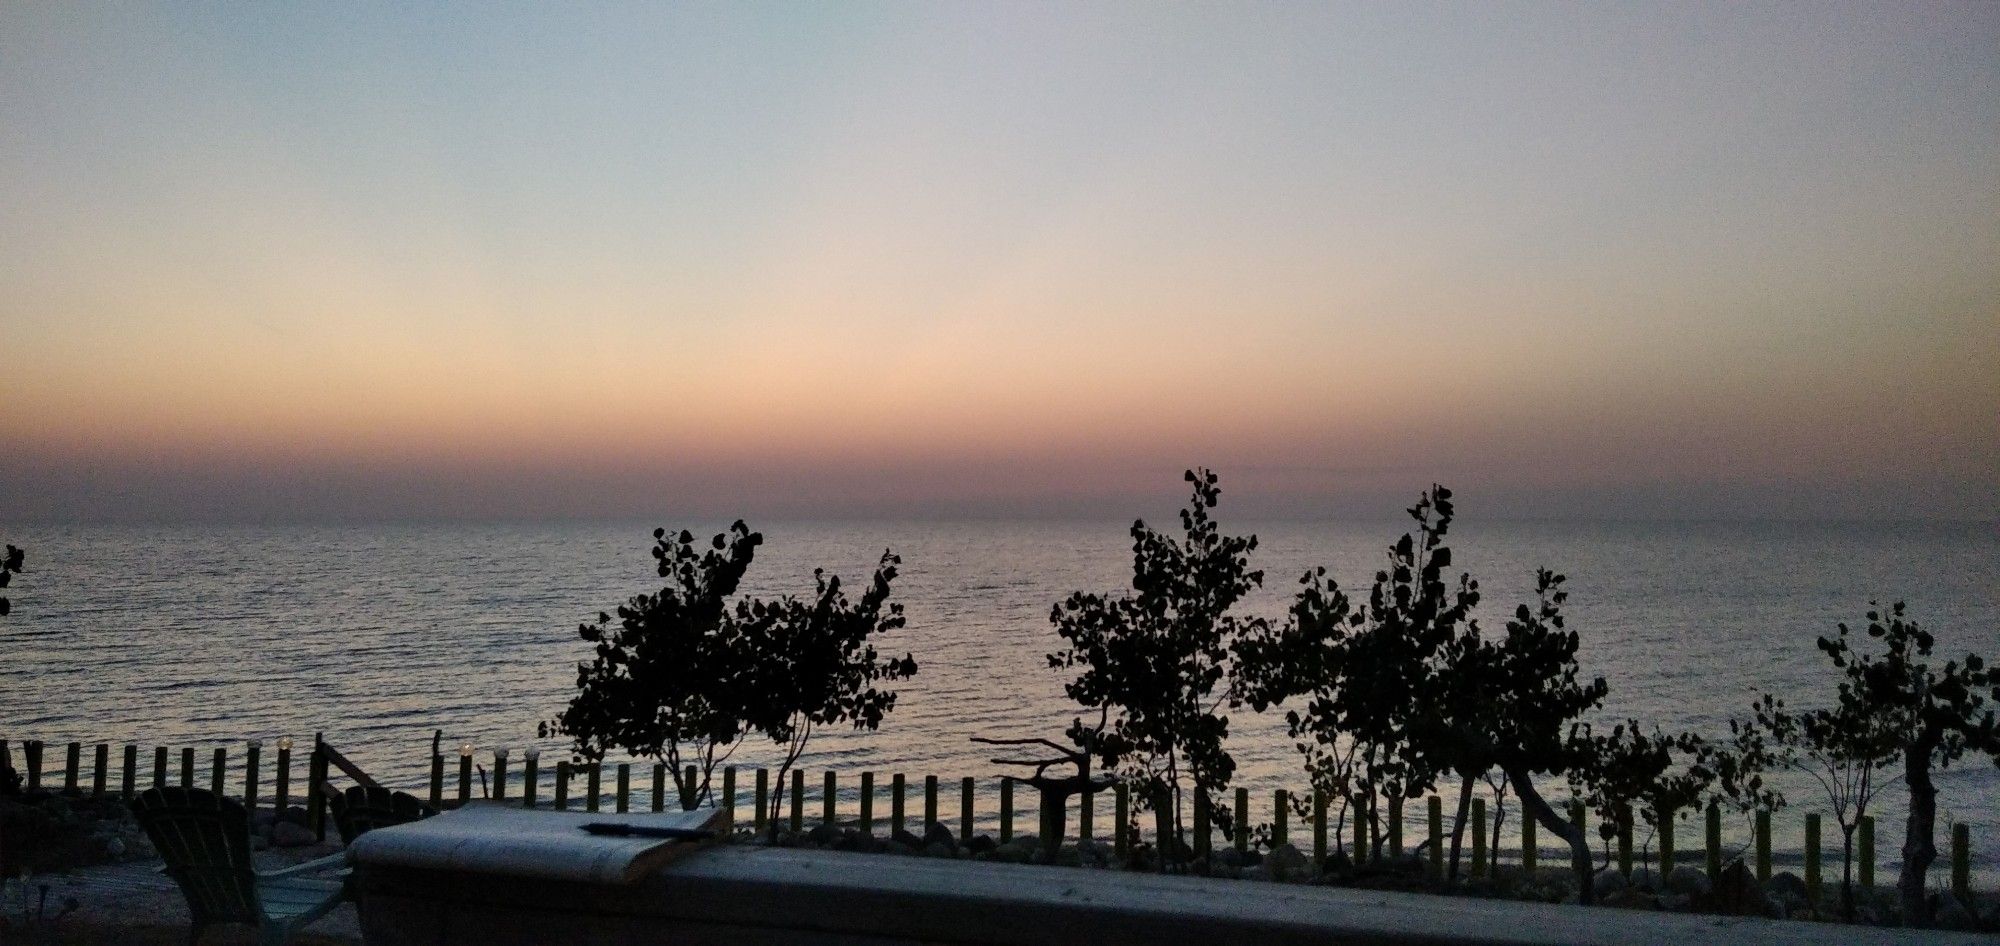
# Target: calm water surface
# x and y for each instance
(207, 636)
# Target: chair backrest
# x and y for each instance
(205, 840)
(363, 808)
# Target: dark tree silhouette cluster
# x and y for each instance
(10, 565)
(684, 674)
(1155, 661)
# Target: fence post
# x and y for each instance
(761, 792)
(1437, 837)
(1961, 863)
(101, 771)
(187, 766)
(1084, 811)
(829, 814)
(1202, 826)
(624, 802)
(1665, 817)
(1479, 827)
(1763, 846)
(1360, 830)
(692, 798)
(867, 813)
(930, 802)
(798, 801)
(128, 783)
(530, 778)
(897, 823)
(1714, 827)
(315, 796)
(437, 780)
(1319, 831)
(1812, 859)
(252, 756)
(159, 766)
(1241, 836)
(659, 786)
(499, 775)
(1625, 841)
(729, 793)
(1121, 832)
(464, 774)
(562, 785)
(1163, 819)
(31, 757)
(1281, 818)
(1867, 852)
(218, 771)
(593, 785)
(71, 764)
(1396, 826)
(1527, 841)
(965, 790)
(281, 795)
(1006, 810)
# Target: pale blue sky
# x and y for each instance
(1688, 259)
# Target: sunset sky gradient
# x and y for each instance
(344, 262)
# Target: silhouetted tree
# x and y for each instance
(1628, 775)
(815, 664)
(1536, 698)
(1155, 660)
(1936, 714)
(1842, 747)
(683, 674)
(671, 676)
(1385, 685)
(10, 565)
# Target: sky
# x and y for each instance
(342, 261)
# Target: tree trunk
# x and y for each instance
(1918, 850)
(1535, 807)
(1458, 825)
(1847, 870)
(1055, 821)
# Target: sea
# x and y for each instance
(382, 636)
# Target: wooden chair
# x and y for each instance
(363, 808)
(205, 840)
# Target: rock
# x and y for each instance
(906, 840)
(982, 844)
(822, 835)
(1253, 872)
(294, 815)
(1774, 907)
(1631, 898)
(937, 833)
(1645, 879)
(1738, 894)
(1789, 889)
(1949, 914)
(1689, 882)
(1286, 863)
(1607, 882)
(287, 834)
(1092, 854)
(1228, 857)
(940, 849)
(1676, 902)
(852, 840)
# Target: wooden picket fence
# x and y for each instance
(131, 775)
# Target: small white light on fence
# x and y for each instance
(256, 744)
(534, 755)
(285, 743)
(500, 754)
(465, 750)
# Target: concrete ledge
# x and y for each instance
(738, 895)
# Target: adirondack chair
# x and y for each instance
(205, 840)
(363, 808)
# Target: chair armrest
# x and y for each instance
(329, 862)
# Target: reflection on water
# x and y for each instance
(379, 634)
